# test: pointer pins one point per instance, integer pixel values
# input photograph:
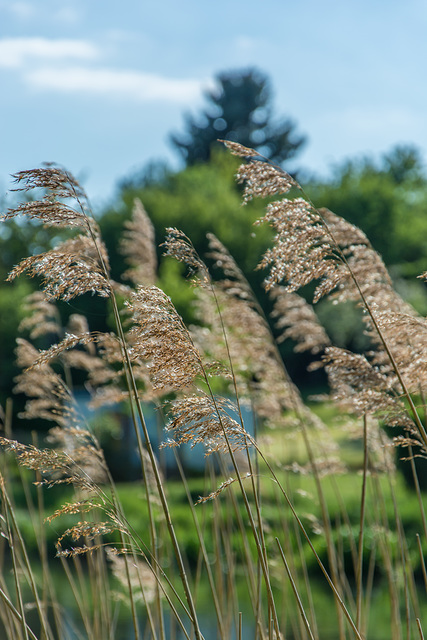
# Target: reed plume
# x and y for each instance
(138, 247)
(297, 320)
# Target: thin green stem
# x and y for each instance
(417, 489)
(18, 616)
(422, 560)
(260, 551)
(219, 613)
(9, 512)
(307, 537)
(295, 590)
(359, 589)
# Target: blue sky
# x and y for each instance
(98, 85)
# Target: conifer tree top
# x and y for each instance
(240, 110)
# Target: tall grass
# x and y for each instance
(249, 522)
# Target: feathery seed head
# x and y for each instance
(179, 246)
(138, 246)
(58, 185)
(161, 340)
(44, 318)
(201, 419)
(69, 270)
(262, 180)
(296, 319)
(240, 150)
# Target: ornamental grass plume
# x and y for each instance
(57, 185)
(158, 346)
(61, 467)
(203, 419)
(359, 386)
(79, 264)
(234, 332)
(310, 244)
(67, 271)
(142, 578)
(138, 246)
(43, 318)
(173, 363)
(48, 396)
(233, 281)
(180, 247)
(162, 341)
(297, 320)
(250, 346)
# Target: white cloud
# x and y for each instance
(15, 52)
(143, 87)
(49, 64)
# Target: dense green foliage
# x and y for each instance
(388, 201)
(197, 200)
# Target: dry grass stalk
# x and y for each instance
(201, 419)
(302, 251)
(248, 343)
(57, 185)
(164, 357)
(406, 333)
(138, 245)
(76, 266)
(142, 578)
(56, 467)
(257, 371)
(233, 281)
(361, 388)
(67, 271)
(43, 318)
(297, 320)
(89, 531)
(83, 450)
(214, 494)
(49, 398)
(99, 354)
(161, 340)
(262, 180)
(179, 246)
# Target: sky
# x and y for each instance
(98, 85)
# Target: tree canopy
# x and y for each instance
(387, 200)
(239, 109)
(199, 199)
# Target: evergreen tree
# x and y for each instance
(239, 109)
